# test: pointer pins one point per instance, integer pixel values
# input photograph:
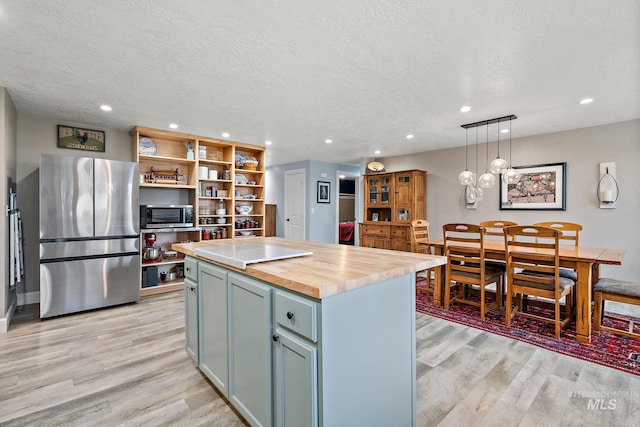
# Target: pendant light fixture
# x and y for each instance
(487, 180)
(466, 177)
(498, 165)
(511, 175)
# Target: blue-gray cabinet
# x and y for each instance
(250, 385)
(191, 310)
(296, 389)
(235, 340)
(286, 359)
(213, 325)
(296, 360)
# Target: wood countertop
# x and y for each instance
(332, 269)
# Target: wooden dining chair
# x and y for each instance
(420, 244)
(464, 249)
(533, 268)
(420, 236)
(494, 229)
(569, 231)
(570, 234)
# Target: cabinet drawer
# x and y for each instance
(399, 232)
(191, 269)
(297, 314)
(377, 230)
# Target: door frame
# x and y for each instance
(304, 204)
(356, 206)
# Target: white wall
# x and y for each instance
(39, 136)
(8, 120)
(583, 150)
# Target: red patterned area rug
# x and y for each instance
(616, 351)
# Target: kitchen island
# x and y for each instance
(320, 339)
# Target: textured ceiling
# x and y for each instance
(363, 73)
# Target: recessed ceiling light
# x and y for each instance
(586, 101)
(268, 143)
(376, 152)
(225, 135)
(105, 108)
(504, 131)
(173, 126)
(465, 109)
(328, 141)
(409, 136)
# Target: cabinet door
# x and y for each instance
(191, 320)
(213, 330)
(381, 243)
(367, 241)
(379, 190)
(250, 369)
(296, 398)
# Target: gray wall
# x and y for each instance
(583, 150)
(38, 136)
(8, 120)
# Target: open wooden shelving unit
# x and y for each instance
(215, 154)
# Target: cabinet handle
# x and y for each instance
(275, 338)
(290, 315)
(189, 269)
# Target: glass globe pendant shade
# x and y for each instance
(479, 193)
(466, 177)
(498, 166)
(511, 176)
(486, 180)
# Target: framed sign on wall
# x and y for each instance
(81, 139)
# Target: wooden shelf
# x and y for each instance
(163, 287)
(178, 260)
(152, 185)
(215, 162)
(143, 157)
(243, 171)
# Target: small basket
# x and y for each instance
(250, 166)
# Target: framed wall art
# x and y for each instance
(81, 139)
(541, 187)
(324, 192)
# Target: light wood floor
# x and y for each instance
(127, 366)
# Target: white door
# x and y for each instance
(294, 207)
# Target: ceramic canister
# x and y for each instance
(203, 172)
(213, 174)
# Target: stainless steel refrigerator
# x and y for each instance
(89, 234)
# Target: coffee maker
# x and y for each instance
(151, 252)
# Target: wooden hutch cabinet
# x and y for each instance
(391, 201)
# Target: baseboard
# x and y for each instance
(5, 321)
(29, 298)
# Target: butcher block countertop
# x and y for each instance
(330, 270)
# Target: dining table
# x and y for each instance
(586, 261)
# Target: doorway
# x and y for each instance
(347, 207)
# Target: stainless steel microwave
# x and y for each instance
(166, 216)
